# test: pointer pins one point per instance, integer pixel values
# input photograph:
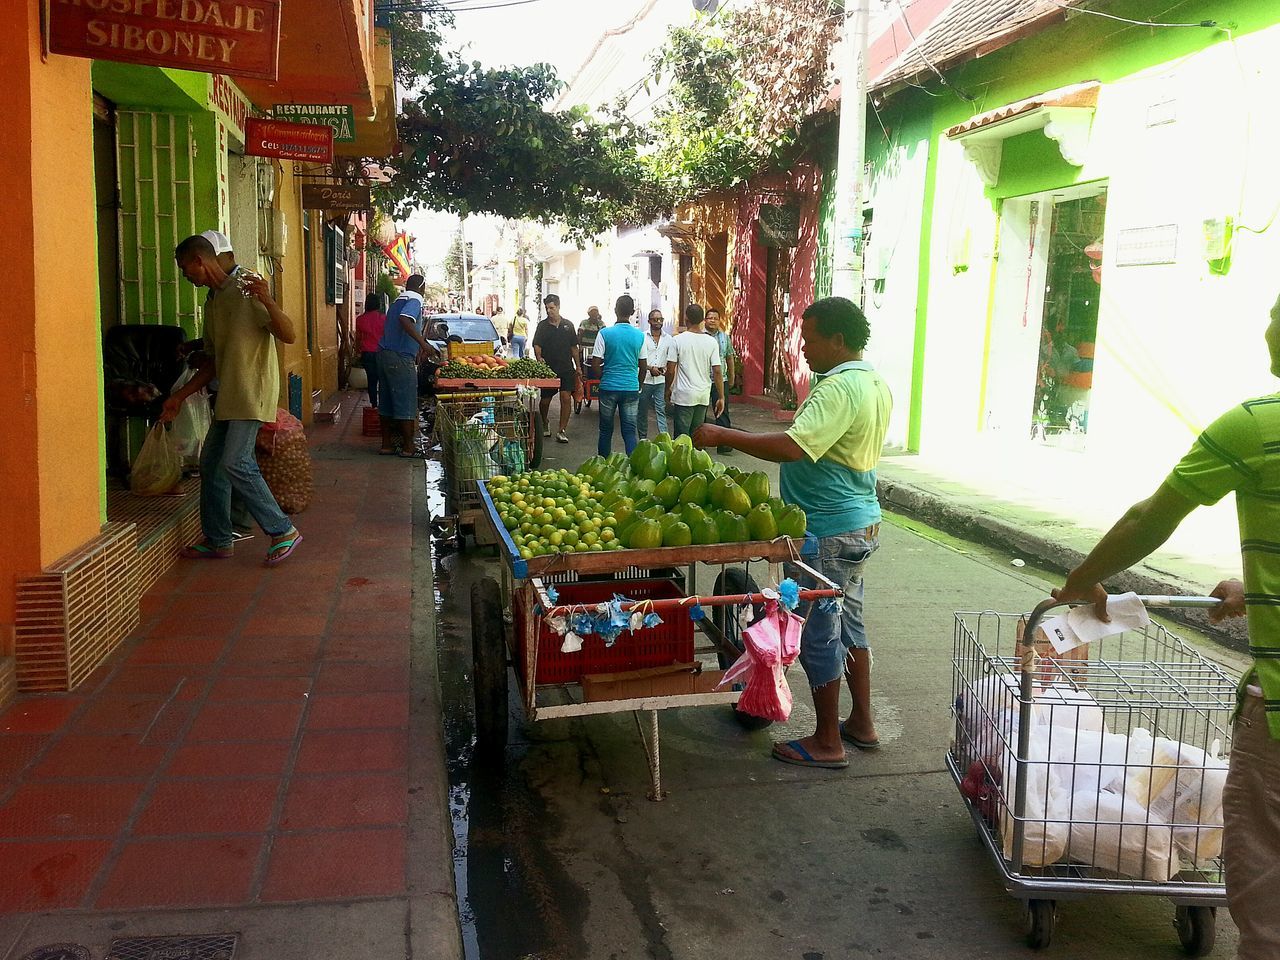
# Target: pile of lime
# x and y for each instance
(666, 494)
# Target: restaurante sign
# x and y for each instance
(234, 37)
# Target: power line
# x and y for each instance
(919, 50)
(1209, 24)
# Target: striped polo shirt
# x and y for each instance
(1240, 452)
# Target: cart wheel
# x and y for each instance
(533, 446)
(489, 671)
(736, 580)
(1197, 929)
(1041, 915)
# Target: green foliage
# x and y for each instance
(480, 140)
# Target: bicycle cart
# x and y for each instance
(1095, 771)
(484, 428)
(658, 667)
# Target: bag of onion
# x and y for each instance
(285, 462)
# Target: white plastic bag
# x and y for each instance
(157, 468)
(1183, 786)
(1046, 827)
(192, 422)
(1114, 831)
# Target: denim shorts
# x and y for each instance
(830, 634)
(397, 386)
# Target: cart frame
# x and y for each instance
(526, 582)
(1203, 689)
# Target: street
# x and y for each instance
(560, 855)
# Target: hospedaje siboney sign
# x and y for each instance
(233, 37)
(284, 140)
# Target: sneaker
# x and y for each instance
(561, 438)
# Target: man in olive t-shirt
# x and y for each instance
(241, 324)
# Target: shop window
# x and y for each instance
(1069, 317)
(335, 264)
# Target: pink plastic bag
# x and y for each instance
(772, 644)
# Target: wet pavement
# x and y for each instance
(559, 855)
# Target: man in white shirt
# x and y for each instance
(693, 365)
(656, 352)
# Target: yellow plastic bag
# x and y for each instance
(158, 467)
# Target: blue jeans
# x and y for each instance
(688, 419)
(830, 634)
(626, 403)
(397, 386)
(517, 347)
(369, 360)
(227, 463)
(652, 395)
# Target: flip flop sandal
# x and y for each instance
(805, 759)
(406, 455)
(848, 737)
(281, 549)
(204, 551)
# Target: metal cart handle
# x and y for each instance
(1044, 606)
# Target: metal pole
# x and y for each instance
(846, 265)
(466, 271)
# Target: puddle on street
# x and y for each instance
(511, 895)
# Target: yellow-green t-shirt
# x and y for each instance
(1240, 452)
(244, 355)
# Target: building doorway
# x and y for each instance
(108, 203)
(777, 305)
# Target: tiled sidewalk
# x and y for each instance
(249, 744)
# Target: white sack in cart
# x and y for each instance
(994, 703)
(1089, 759)
(1048, 805)
(1183, 786)
(1114, 831)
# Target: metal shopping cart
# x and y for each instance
(1098, 771)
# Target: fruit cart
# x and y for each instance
(659, 666)
(485, 427)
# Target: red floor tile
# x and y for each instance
(263, 649)
(214, 871)
(170, 650)
(69, 809)
(129, 713)
(260, 688)
(172, 723)
(208, 806)
(348, 623)
(247, 721)
(38, 714)
(285, 624)
(324, 751)
(380, 602)
(356, 711)
(216, 620)
(47, 876)
(267, 757)
(161, 679)
(118, 755)
(335, 801)
(336, 865)
(370, 648)
(362, 678)
(17, 750)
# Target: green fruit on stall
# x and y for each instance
(694, 490)
(677, 534)
(701, 461)
(761, 524)
(705, 531)
(668, 492)
(643, 487)
(732, 528)
(691, 513)
(736, 501)
(645, 535)
(643, 450)
(719, 487)
(757, 486)
(792, 522)
(680, 461)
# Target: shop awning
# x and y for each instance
(376, 137)
(1064, 115)
(326, 56)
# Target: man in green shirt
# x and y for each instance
(1239, 452)
(241, 324)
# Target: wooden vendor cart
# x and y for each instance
(644, 671)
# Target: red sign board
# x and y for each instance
(311, 142)
(235, 37)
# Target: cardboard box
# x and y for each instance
(670, 681)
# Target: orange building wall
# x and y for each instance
(50, 432)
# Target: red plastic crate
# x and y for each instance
(669, 642)
(371, 426)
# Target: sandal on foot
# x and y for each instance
(409, 455)
(281, 549)
(204, 551)
(848, 737)
(804, 758)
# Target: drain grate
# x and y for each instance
(59, 951)
(218, 946)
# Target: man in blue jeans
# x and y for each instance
(618, 365)
(828, 466)
(241, 324)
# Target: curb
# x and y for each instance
(987, 528)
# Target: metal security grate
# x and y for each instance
(59, 951)
(218, 946)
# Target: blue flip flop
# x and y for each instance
(805, 759)
(848, 737)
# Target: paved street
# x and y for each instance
(561, 855)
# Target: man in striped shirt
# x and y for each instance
(1240, 453)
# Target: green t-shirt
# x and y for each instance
(244, 355)
(1240, 452)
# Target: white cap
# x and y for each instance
(219, 240)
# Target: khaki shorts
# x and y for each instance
(1251, 841)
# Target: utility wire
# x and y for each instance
(919, 51)
(1210, 24)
